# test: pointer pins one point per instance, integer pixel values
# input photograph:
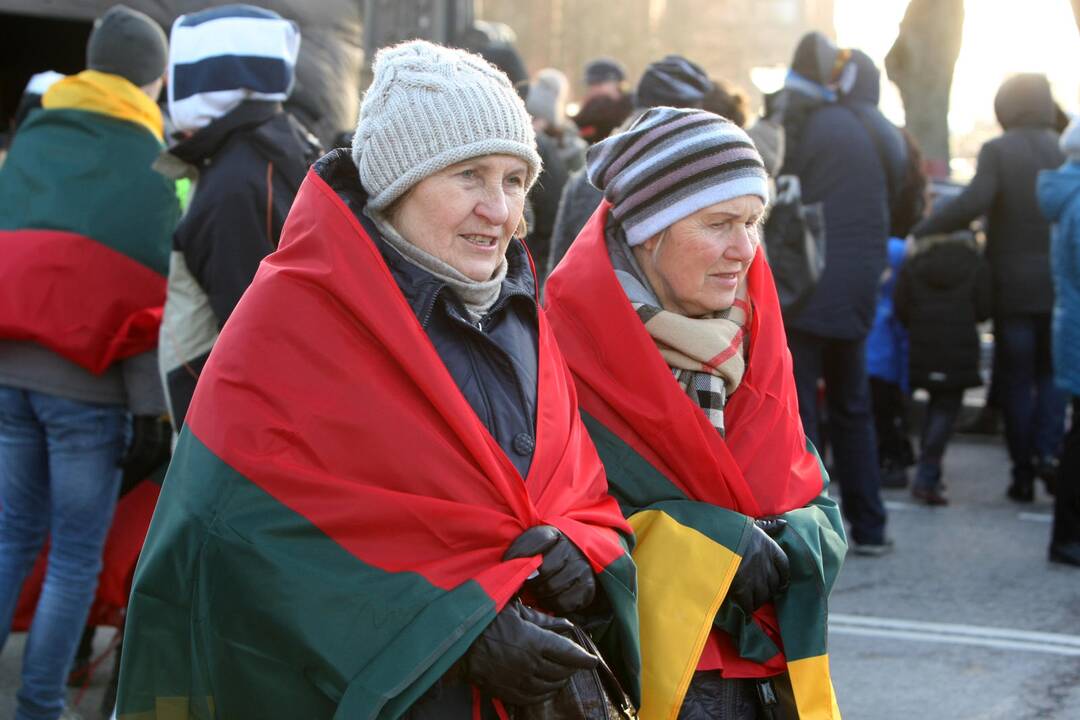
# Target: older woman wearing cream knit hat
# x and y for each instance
(384, 502)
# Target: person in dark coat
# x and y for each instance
(673, 81)
(848, 157)
(1059, 199)
(943, 291)
(1018, 248)
(248, 157)
(403, 296)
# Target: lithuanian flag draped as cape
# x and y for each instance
(330, 534)
(86, 223)
(689, 493)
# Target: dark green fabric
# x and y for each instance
(813, 540)
(224, 611)
(90, 174)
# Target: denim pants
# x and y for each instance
(941, 414)
(1034, 408)
(842, 363)
(58, 479)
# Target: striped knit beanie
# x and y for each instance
(670, 164)
(220, 57)
(430, 107)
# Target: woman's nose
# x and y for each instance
(494, 207)
(743, 244)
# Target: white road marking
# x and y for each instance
(955, 634)
(1036, 517)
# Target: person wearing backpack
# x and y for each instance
(848, 157)
(942, 292)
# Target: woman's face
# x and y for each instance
(466, 214)
(696, 265)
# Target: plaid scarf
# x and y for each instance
(707, 356)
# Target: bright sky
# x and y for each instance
(1000, 38)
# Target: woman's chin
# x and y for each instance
(477, 271)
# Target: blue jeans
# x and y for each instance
(842, 363)
(1034, 408)
(58, 478)
(941, 413)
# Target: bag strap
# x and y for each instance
(607, 677)
(879, 147)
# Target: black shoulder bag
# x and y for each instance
(589, 695)
(794, 244)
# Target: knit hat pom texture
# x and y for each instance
(430, 107)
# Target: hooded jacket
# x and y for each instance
(1059, 199)
(249, 164)
(1003, 189)
(943, 290)
(839, 163)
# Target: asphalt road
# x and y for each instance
(966, 620)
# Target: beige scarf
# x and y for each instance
(706, 355)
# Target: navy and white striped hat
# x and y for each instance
(671, 163)
(222, 56)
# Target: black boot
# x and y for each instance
(1022, 489)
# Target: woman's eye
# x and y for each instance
(720, 225)
(468, 173)
(515, 180)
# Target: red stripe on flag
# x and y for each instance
(325, 391)
(78, 297)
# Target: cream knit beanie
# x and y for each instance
(429, 107)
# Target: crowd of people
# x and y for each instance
(495, 411)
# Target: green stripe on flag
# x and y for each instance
(243, 608)
(100, 184)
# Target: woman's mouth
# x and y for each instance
(482, 241)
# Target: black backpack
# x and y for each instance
(794, 244)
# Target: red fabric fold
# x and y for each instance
(761, 467)
(325, 391)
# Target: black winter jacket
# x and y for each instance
(1003, 189)
(943, 290)
(224, 234)
(493, 361)
(250, 164)
(839, 164)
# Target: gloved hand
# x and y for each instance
(763, 573)
(151, 438)
(565, 581)
(520, 660)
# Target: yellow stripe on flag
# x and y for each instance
(812, 685)
(683, 577)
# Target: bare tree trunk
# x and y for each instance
(921, 64)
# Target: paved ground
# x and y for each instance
(965, 621)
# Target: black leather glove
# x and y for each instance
(520, 660)
(565, 581)
(151, 440)
(763, 573)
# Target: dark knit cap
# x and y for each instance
(603, 70)
(128, 43)
(670, 164)
(673, 81)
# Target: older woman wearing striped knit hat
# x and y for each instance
(667, 314)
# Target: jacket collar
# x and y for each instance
(421, 289)
(207, 141)
(106, 94)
